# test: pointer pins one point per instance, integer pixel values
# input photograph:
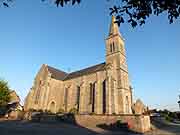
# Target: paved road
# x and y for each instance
(27, 128)
(162, 127)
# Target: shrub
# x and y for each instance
(32, 110)
(73, 111)
(92, 113)
(4, 93)
(3, 110)
(61, 111)
(168, 118)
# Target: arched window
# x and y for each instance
(52, 107)
(37, 96)
(111, 48)
(112, 94)
(78, 97)
(92, 95)
(66, 98)
(104, 96)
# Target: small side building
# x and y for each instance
(14, 106)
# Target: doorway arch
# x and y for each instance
(52, 107)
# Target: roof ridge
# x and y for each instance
(87, 67)
(84, 71)
(56, 69)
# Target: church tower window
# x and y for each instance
(111, 48)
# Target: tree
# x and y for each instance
(134, 12)
(4, 93)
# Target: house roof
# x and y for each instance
(86, 71)
(60, 75)
(56, 73)
(14, 96)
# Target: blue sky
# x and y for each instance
(33, 33)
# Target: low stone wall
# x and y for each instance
(137, 123)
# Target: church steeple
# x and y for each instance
(114, 41)
(114, 29)
(118, 81)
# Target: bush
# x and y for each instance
(4, 93)
(3, 110)
(168, 118)
(32, 110)
(92, 113)
(73, 111)
(118, 122)
(61, 111)
(48, 112)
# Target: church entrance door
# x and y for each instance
(53, 107)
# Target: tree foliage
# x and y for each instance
(4, 93)
(134, 12)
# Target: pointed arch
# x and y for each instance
(52, 106)
(66, 93)
(104, 96)
(78, 91)
(92, 95)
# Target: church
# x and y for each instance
(100, 89)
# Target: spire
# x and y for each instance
(114, 29)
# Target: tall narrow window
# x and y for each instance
(66, 98)
(37, 96)
(104, 96)
(127, 104)
(112, 95)
(93, 97)
(91, 93)
(78, 97)
(111, 48)
(38, 93)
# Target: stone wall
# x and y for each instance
(137, 123)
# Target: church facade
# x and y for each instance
(99, 89)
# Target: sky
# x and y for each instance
(33, 33)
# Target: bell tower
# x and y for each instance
(119, 95)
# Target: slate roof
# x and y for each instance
(56, 73)
(60, 75)
(86, 71)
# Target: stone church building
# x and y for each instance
(100, 89)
